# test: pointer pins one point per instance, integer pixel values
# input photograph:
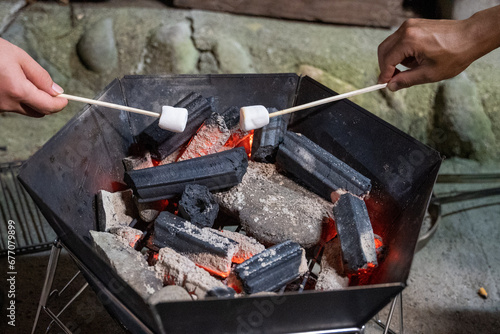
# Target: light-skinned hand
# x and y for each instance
(25, 87)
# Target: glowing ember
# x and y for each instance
(241, 138)
(328, 231)
(238, 260)
(216, 272)
(133, 242)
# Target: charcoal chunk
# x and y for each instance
(138, 162)
(209, 139)
(231, 116)
(273, 268)
(115, 209)
(266, 140)
(247, 246)
(215, 171)
(127, 262)
(202, 246)
(355, 232)
(198, 205)
(321, 171)
(169, 293)
(273, 208)
(162, 143)
(172, 266)
(220, 292)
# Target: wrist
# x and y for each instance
(483, 30)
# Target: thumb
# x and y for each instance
(39, 76)
(408, 78)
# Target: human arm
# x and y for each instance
(435, 50)
(25, 87)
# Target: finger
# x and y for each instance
(28, 111)
(390, 54)
(38, 75)
(409, 78)
(41, 101)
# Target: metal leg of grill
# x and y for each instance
(46, 294)
(386, 326)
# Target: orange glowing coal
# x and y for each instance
(238, 259)
(216, 272)
(241, 139)
(362, 276)
(136, 238)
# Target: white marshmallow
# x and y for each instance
(173, 119)
(253, 117)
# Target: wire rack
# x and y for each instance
(33, 232)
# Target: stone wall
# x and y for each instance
(86, 45)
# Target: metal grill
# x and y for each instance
(33, 233)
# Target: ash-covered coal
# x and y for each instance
(273, 208)
(127, 262)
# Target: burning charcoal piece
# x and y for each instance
(272, 268)
(127, 262)
(231, 117)
(273, 208)
(267, 139)
(206, 248)
(318, 169)
(247, 246)
(219, 292)
(215, 171)
(148, 211)
(355, 232)
(162, 142)
(114, 209)
(198, 205)
(172, 266)
(129, 235)
(212, 136)
(169, 293)
(138, 162)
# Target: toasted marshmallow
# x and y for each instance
(173, 119)
(253, 117)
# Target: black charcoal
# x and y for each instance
(198, 205)
(161, 142)
(215, 171)
(266, 140)
(321, 171)
(273, 268)
(231, 117)
(202, 246)
(355, 232)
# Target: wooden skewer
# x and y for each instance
(110, 105)
(328, 100)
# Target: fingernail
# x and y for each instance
(393, 86)
(57, 88)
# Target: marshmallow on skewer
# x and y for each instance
(173, 119)
(253, 117)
